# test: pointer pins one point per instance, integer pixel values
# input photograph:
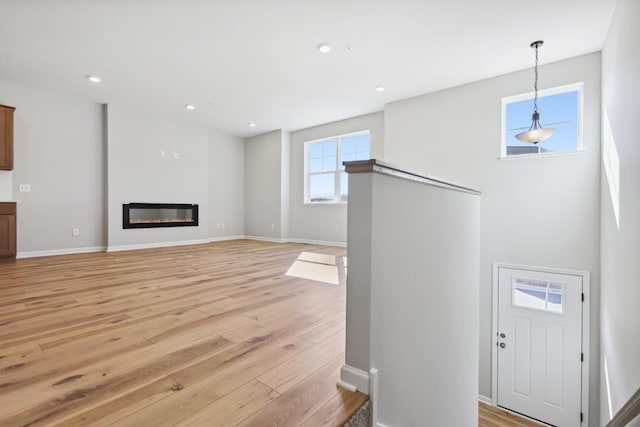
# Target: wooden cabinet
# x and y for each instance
(7, 230)
(6, 137)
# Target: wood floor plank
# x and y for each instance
(295, 406)
(106, 413)
(168, 335)
(288, 374)
(233, 408)
(54, 399)
(491, 416)
(338, 410)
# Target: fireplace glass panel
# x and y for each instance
(148, 215)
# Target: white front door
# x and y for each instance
(539, 353)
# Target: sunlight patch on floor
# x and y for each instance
(317, 258)
(313, 266)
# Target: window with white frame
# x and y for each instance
(560, 108)
(324, 175)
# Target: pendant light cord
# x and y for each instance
(535, 84)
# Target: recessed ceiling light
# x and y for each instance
(190, 107)
(324, 48)
(251, 124)
(379, 88)
(94, 79)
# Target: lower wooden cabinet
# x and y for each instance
(7, 229)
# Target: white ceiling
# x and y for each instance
(241, 61)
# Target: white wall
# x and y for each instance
(138, 173)
(6, 186)
(285, 184)
(263, 185)
(412, 284)
(620, 252)
(59, 151)
(325, 223)
(226, 185)
(535, 211)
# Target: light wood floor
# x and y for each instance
(490, 416)
(201, 335)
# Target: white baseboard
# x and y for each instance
(53, 252)
(156, 245)
(70, 251)
(295, 240)
(354, 378)
(317, 242)
(225, 238)
(265, 239)
(485, 399)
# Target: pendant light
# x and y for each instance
(536, 132)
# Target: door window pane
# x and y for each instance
(538, 295)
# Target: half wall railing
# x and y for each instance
(628, 412)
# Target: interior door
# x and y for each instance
(539, 342)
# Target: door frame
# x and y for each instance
(586, 290)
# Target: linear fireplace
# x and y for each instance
(151, 215)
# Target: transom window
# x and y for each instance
(560, 108)
(325, 179)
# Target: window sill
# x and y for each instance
(538, 155)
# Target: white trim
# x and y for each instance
(92, 249)
(485, 399)
(355, 378)
(538, 155)
(373, 395)
(266, 239)
(586, 290)
(54, 252)
(494, 334)
(348, 387)
(156, 245)
(586, 320)
(225, 238)
(573, 87)
(317, 242)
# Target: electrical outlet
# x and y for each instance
(273, 226)
(24, 188)
(220, 226)
(75, 232)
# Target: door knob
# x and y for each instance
(502, 335)
(502, 345)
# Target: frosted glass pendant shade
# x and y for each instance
(536, 133)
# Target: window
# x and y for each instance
(538, 295)
(325, 179)
(560, 108)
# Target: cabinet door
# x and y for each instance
(6, 137)
(7, 235)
